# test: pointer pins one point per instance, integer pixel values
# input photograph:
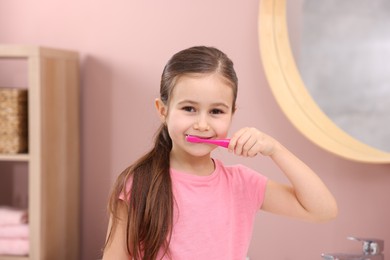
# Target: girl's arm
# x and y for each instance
(306, 198)
(115, 248)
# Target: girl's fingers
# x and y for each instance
(249, 142)
(244, 141)
(233, 141)
(248, 147)
(255, 149)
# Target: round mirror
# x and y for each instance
(293, 96)
(342, 53)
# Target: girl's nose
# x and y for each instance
(201, 124)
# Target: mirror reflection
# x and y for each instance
(343, 55)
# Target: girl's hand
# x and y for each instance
(305, 198)
(249, 141)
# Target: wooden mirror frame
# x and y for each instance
(292, 96)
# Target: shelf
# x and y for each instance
(6, 257)
(15, 157)
(52, 162)
(27, 51)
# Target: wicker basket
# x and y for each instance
(13, 120)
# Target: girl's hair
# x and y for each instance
(150, 198)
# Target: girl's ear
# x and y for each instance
(161, 109)
(234, 110)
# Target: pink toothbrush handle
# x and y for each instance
(219, 142)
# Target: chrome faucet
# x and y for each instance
(372, 250)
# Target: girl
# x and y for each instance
(177, 202)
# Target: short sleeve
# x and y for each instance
(255, 184)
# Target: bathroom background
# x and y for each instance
(124, 46)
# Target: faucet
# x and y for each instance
(372, 250)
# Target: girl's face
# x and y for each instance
(200, 105)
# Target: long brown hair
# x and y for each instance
(151, 201)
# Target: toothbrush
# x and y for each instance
(220, 142)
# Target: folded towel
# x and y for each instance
(14, 231)
(12, 216)
(14, 246)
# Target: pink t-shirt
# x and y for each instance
(214, 215)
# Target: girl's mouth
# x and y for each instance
(197, 136)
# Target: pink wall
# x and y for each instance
(124, 46)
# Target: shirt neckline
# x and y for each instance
(181, 175)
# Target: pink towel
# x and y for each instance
(14, 246)
(14, 231)
(12, 216)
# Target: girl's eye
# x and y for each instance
(216, 111)
(189, 109)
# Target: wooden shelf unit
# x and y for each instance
(53, 151)
(14, 258)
